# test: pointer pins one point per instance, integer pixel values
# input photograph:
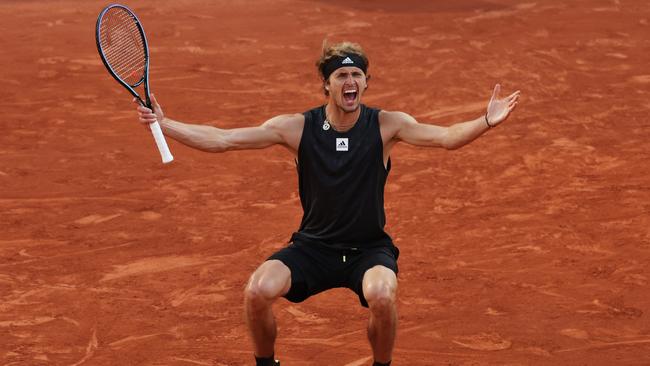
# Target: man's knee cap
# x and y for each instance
(380, 293)
(262, 290)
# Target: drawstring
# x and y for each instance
(345, 252)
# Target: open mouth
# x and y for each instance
(350, 95)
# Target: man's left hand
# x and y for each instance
(499, 109)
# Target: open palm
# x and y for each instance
(499, 109)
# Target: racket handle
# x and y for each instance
(165, 154)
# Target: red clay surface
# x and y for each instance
(528, 247)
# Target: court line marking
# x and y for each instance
(604, 345)
(68, 254)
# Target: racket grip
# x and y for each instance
(165, 154)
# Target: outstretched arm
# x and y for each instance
(284, 130)
(406, 128)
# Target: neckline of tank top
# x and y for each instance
(361, 114)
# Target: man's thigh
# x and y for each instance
(385, 257)
(313, 269)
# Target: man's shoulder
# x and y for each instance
(392, 122)
(394, 117)
(286, 121)
(289, 127)
(287, 118)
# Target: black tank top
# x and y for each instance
(341, 179)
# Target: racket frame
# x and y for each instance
(145, 77)
(155, 126)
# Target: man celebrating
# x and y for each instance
(342, 151)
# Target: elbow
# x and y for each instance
(451, 142)
(214, 149)
(218, 145)
(452, 145)
(209, 146)
(218, 148)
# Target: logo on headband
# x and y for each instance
(349, 60)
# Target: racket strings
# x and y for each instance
(122, 45)
(125, 49)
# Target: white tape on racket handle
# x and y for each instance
(161, 143)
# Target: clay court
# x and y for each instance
(530, 246)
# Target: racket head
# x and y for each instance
(123, 48)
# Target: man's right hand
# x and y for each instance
(146, 115)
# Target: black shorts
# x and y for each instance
(316, 268)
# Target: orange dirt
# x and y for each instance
(528, 247)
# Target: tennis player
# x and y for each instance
(342, 152)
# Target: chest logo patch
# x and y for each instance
(342, 144)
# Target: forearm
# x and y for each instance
(461, 134)
(201, 137)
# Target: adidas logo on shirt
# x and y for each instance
(342, 144)
(347, 61)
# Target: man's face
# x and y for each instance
(346, 85)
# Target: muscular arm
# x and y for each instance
(212, 139)
(402, 127)
(284, 130)
(407, 129)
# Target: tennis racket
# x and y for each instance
(123, 48)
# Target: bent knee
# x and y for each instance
(380, 288)
(262, 290)
(269, 282)
(379, 294)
